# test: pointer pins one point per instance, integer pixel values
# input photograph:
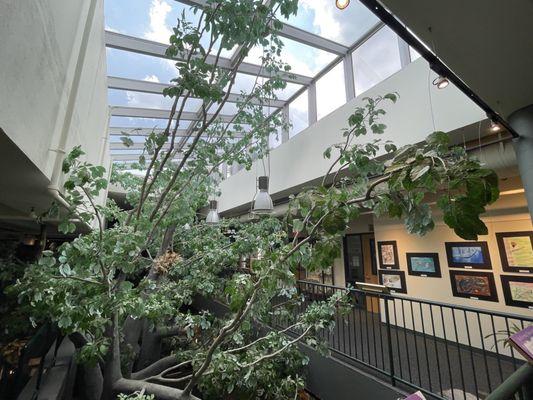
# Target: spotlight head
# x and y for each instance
(342, 4)
(495, 127)
(441, 82)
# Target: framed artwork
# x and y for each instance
(468, 255)
(473, 285)
(423, 264)
(518, 290)
(388, 255)
(394, 280)
(516, 251)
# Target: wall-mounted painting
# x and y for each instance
(468, 255)
(423, 264)
(394, 280)
(518, 290)
(388, 255)
(473, 285)
(516, 251)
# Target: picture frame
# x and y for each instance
(423, 264)
(469, 255)
(518, 290)
(394, 280)
(388, 255)
(474, 285)
(516, 251)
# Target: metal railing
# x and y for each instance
(445, 350)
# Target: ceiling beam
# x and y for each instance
(313, 40)
(135, 85)
(294, 33)
(133, 44)
(137, 112)
(131, 131)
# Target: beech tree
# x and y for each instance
(122, 292)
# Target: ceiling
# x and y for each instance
(486, 43)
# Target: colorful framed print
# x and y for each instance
(388, 255)
(394, 280)
(473, 285)
(472, 255)
(518, 290)
(516, 251)
(423, 264)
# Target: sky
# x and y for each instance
(153, 20)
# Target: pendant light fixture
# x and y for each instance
(212, 215)
(262, 201)
(342, 4)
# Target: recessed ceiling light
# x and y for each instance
(342, 4)
(495, 127)
(441, 82)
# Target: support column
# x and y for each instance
(311, 104)
(522, 122)
(286, 120)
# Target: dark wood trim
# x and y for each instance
(396, 265)
(401, 274)
(484, 250)
(506, 279)
(436, 263)
(503, 254)
(492, 285)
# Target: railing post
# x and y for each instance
(389, 341)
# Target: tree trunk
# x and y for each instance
(131, 330)
(159, 391)
(112, 371)
(150, 349)
(89, 379)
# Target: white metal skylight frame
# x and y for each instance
(308, 83)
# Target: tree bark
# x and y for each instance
(156, 368)
(159, 391)
(89, 378)
(112, 371)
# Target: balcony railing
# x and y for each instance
(445, 350)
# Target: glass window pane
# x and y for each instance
(376, 59)
(298, 114)
(275, 139)
(134, 122)
(304, 60)
(342, 26)
(126, 64)
(330, 91)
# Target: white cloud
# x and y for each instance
(325, 18)
(151, 78)
(148, 100)
(159, 30)
(110, 29)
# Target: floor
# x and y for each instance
(444, 368)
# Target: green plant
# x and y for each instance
(122, 292)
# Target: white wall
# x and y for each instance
(53, 80)
(508, 214)
(300, 159)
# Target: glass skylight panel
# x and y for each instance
(305, 60)
(126, 64)
(376, 59)
(135, 122)
(298, 114)
(322, 18)
(330, 91)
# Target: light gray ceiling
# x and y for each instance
(486, 43)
